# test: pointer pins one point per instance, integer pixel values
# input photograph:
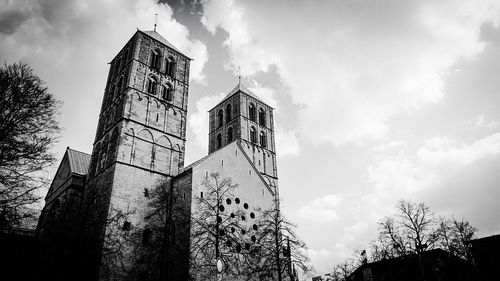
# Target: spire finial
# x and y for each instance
(156, 19)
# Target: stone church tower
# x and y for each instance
(244, 117)
(140, 139)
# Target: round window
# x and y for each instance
(252, 215)
(237, 200)
(228, 201)
(245, 206)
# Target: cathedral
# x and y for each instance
(139, 143)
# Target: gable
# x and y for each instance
(231, 161)
(62, 175)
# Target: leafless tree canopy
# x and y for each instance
(412, 230)
(27, 130)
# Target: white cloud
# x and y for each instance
(322, 209)
(352, 69)
(480, 122)
(247, 55)
(435, 161)
(286, 143)
(198, 120)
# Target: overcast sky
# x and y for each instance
(375, 100)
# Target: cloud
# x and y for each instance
(322, 209)
(480, 122)
(351, 68)
(198, 120)
(247, 56)
(286, 143)
(435, 161)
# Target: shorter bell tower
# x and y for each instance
(244, 117)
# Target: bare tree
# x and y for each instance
(217, 234)
(411, 231)
(454, 236)
(278, 251)
(27, 130)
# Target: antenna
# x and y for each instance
(156, 20)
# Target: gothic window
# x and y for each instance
(230, 134)
(152, 83)
(219, 141)
(253, 134)
(155, 59)
(170, 66)
(251, 112)
(228, 113)
(262, 117)
(220, 118)
(263, 139)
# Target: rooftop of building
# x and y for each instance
(78, 161)
(156, 36)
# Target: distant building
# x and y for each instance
(433, 265)
(486, 257)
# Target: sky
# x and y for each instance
(375, 100)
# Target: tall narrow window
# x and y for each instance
(263, 139)
(170, 66)
(152, 83)
(219, 141)
(155, 59)
(228, 113)
(251, 112)
(253, 134)
(230, 134)
(220, 118)
(262, 117)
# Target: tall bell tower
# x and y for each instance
(244, 117)
(140, 139)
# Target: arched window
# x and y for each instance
(253, 134)
(155, 59)
(228, 113)
(170, 66)
(219, 141)
(152, 83)
(262, 117)
(251, 112)
(170, 92)
(220, 118)
(263, 139)
(230, 134)
(166, 92)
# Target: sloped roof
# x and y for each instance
(78, 161)
(241, 88)
(155, 35)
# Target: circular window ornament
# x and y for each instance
(228, 201)
(253, 238)
(237, 200)
(243, 218)
(243, 232)
(252, 215)
(255, 227)
(221, 208)
(233, 215)
(245, 206)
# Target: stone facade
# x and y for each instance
(140, 140)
